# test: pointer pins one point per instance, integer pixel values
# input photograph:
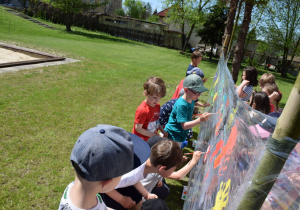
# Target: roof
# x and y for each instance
(163, 13)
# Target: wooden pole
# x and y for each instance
(288, 125)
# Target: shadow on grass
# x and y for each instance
(174, 200)
(104, 37)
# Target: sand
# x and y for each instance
(7, 56)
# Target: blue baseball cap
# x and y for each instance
(195, 70)
(105, 152)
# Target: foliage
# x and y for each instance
(186, 12)
(214, 25)
(134, 8)
(120, 12)
(69, 8)
(282, 28)
(153, 19)
(147, 11)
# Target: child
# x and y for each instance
(180, 120)
(249, 80)
(179, 89)
(154, 182)
(165, 112)
(260, 101)
(196, 59)
(100, 157)
(165, 157)
(147, 114)
(270, 89)
(266, 78)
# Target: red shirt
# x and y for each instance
(178, 89)
(148, 116)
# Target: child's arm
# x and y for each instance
(193, 123)
(205, 104)
(178, 175)
(139, 128)
(240, 90)
(125, 201)
(163, 131)
(144, 192)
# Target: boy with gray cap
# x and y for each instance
(100, 157)
(180, 120)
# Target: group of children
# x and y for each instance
(267, 100)
(116, 169)
(122, 170)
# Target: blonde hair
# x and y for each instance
(266, 78)
(155, 86)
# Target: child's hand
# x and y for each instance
(151, 196)
(158, 184)
(206, 104)
(196, 156)
(127, 202)
(204, 117)
(204, 80)
(273, 96)
(245, 82)
(165, 133)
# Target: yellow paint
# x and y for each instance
(222, 196)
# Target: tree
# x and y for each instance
(213, 27)
(148, 10)
(134, 8)
(282, 29)
(69, 8)
(184, 12)
(230, 23)
(120, 12)
(239, 49)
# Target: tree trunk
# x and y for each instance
(235, 24)
(182, 37)
(288, 125)
(69, 21)
(211, 53)
(193, 26)
(188, 38)
(238, 52)
(229, 22)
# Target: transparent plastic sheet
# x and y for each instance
(234, 147)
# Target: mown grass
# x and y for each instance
(44, 110)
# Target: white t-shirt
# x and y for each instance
(66, 203)
(150, 181)
(132, 177)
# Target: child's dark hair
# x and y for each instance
(270, 88)
(196, 54)
(262, 102)
(251, 75)
(166, 153)
(155, 86)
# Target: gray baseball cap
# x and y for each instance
(194, 82)
(106, 151)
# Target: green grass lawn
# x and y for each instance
(44, 110)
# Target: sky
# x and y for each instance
(155, 4)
